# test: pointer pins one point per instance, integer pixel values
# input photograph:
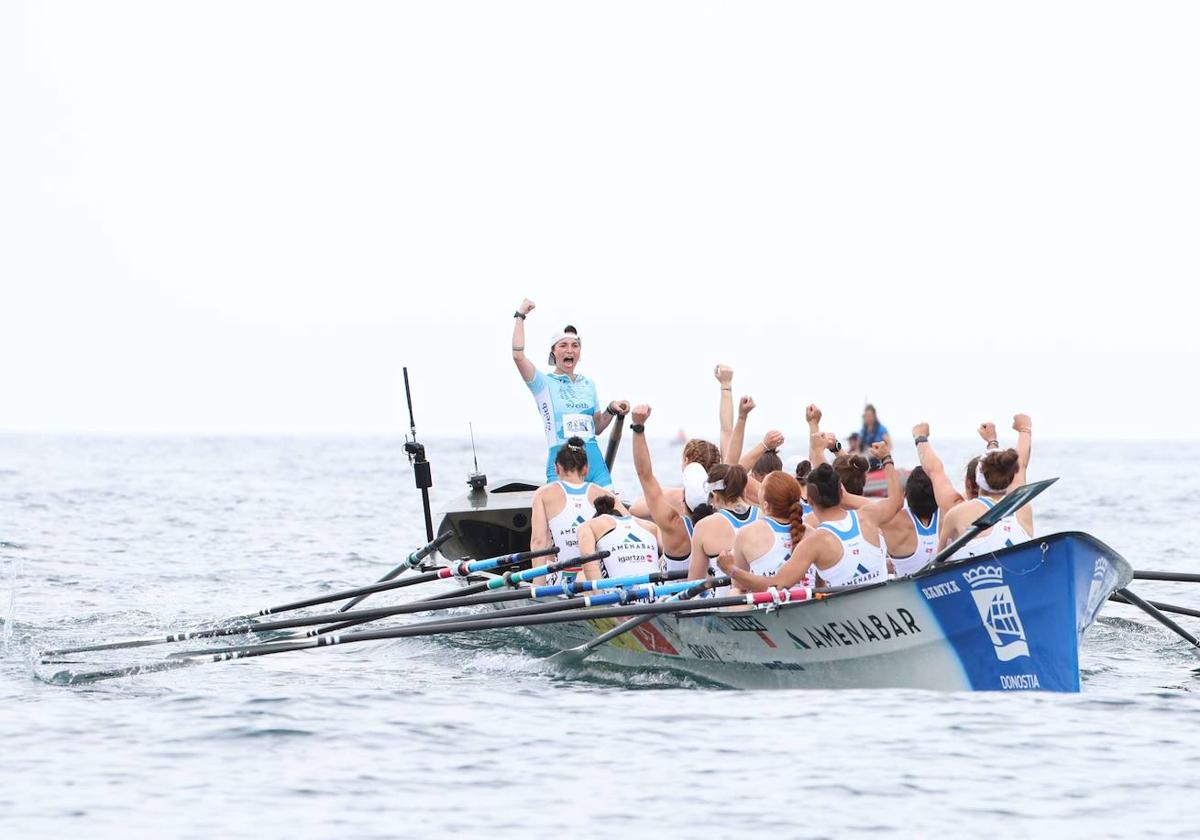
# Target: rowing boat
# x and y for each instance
(1012, 620)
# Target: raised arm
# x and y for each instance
(1023, 426)
(733, 449)
(883, 510)
(724, 375)
(816, 444)
(518, 341)
(771, 440)
(658, 507)
(943, 491)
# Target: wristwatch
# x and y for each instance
(919, 439)
(637, 427)
(519, 314)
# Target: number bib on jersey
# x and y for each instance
(578, 425)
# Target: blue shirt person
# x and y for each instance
(566, 401)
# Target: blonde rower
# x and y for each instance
(563, 505)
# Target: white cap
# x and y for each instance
(695, 477)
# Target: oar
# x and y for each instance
(1010, 504)
(499, 621)
(455, 570)
(413, 560)
(614, 442)
(580, 652)
(465, 599)
(427, 605)
(603, 599)
(1178, 577)
(1159, 616)
(460, 569)
(1171, 608)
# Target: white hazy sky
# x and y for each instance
(247, 216)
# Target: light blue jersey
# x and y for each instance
(568, 409)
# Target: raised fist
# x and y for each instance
(641, 413)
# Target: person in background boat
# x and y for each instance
(911, 536)
(727, 493)
(765, 544)
(995, 474)
(566, 400)
(944, 491)
(845, 546)
(560, 507)
(632, 543)
(674, 530)
(872, 430)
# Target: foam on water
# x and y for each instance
(112, 538)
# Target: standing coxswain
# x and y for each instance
(560, 507)
(566, 400)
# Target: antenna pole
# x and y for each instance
(416, 457)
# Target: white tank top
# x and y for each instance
(860, 562)
(778, 553)
(1006, 532)
(927, 540)
(737, 522)
(633, 549)
(575, 512)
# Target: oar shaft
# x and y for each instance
(1177, 577)
(1170, 608)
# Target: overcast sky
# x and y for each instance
(247, 216)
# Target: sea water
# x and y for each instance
(108, 537)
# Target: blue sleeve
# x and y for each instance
(882, 431)
(537, 383)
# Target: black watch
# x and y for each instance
(520, 315)
(610, 410)
(919, 439)
(637, 427)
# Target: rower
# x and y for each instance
(765, 544)
(944, 491)
(674, 530)
(845, 547)
(560, 507)
(699, 456)
(852, 469)
(632, 544)
(726, 488)
(911, 537)
(995, 475)
(565, 400)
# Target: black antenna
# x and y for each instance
(477, 481)
(416, 457)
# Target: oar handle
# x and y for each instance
(515, 578)
(466, 567)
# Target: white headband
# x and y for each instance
(981, 480)
(709, 487)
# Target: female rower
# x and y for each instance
(632, 544)
(699, 456)
(845, 547)
(566, 400)
(944, 491)
(562, 505)
(995, 474)
(765, 544)
(911, 536)
(852, 469)
(674, 531)
(715, 534)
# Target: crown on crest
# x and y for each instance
(981, 575)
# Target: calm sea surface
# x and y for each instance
(108, 537)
